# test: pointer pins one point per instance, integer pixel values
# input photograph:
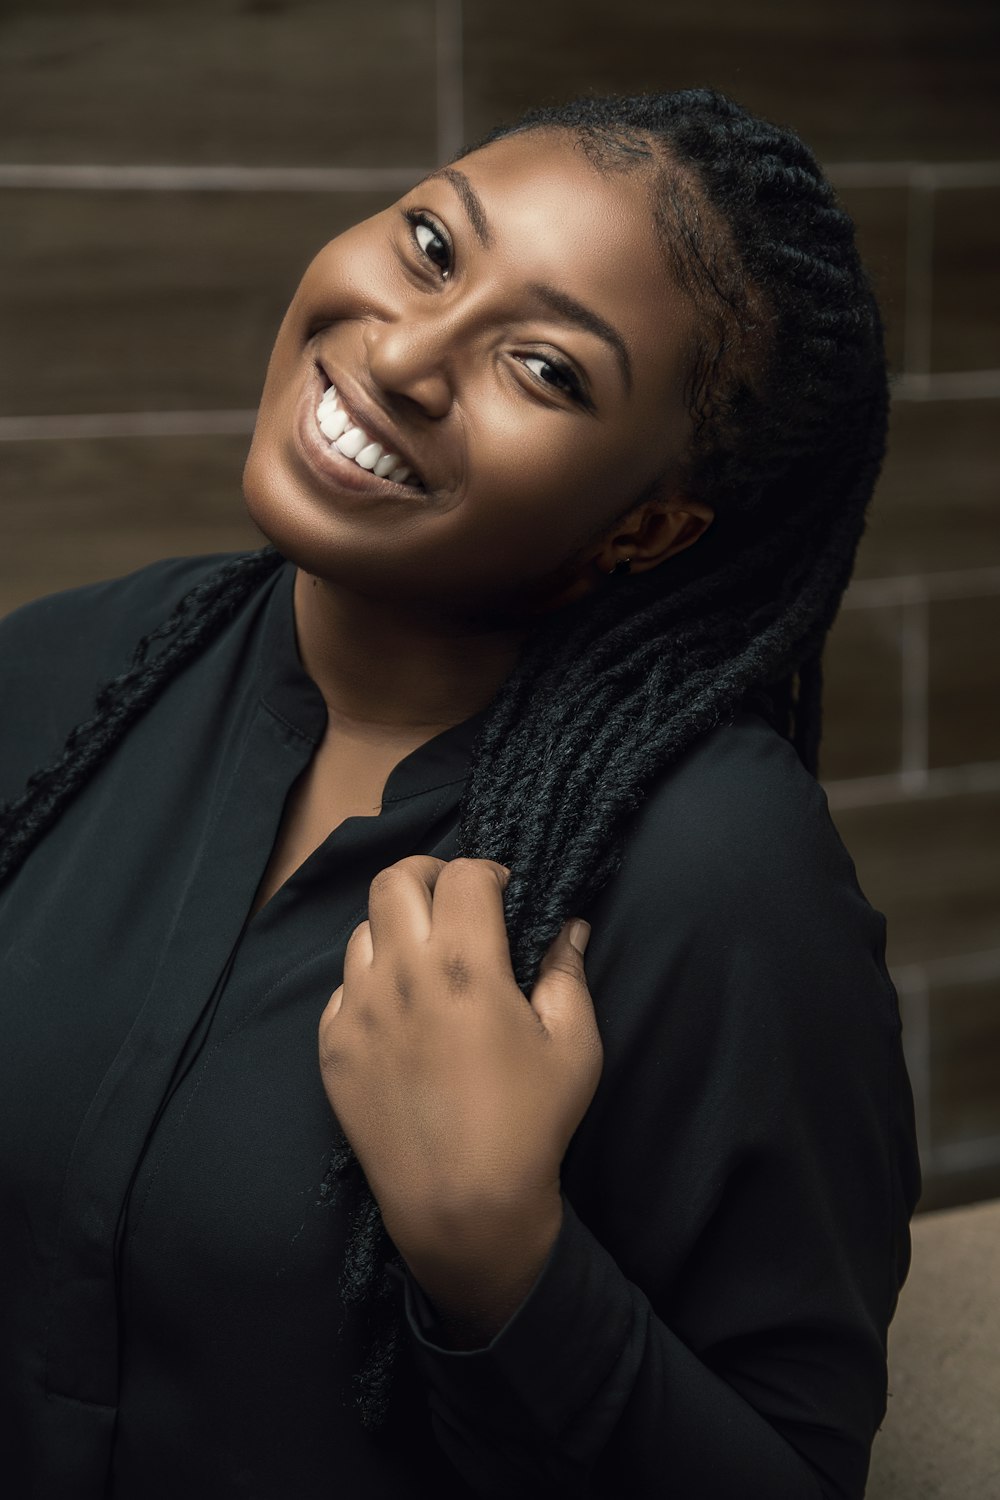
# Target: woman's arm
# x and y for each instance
(586, 1391)
(711, 1318)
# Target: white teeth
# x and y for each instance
(352, 442)
(369, 457)
(332, 421)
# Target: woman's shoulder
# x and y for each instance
(737, 898)
(98, 623)
(739, 823)
(57, 651)
(741, 778)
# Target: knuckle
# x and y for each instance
(332, 1058)
(352, 952)
(457, 973)
(366, 1017)
(383, 880)
(358, 932)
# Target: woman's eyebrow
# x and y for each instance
(572, 311)
(561, 303)
(471, 202)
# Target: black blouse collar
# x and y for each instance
(291, 694)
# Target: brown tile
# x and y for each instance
(964, 681)
(952, 1189)
(857, 81)
(937, 503)
(933, 867)
(100, 276)
(263, 82)
(76, 512)
(861, 694)
(133, 301)
(965, 322)
(880, 216)
(965, 1062)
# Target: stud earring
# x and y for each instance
(621, 567)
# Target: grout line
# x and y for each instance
(915, 670)
(127, 424)
(913, 989)
(945, 385)
(895, 787)
(450, 102)
(963, 1156)
(919, 273)
(927, 177)
(932, 175)
(915, 588)
(213, 179)
(913, 984)
(957, 968)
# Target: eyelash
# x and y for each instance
(572, 387)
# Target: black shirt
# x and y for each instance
(711, 1320)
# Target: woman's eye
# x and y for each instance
(427, 235)
(565, 378)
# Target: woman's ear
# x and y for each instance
(647, 535)
(654, 531)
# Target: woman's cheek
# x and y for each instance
(530, 512)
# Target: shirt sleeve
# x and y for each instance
(755, 1122)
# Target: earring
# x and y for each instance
(621, 567)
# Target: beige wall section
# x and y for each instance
(168, 168)
(941, 1438)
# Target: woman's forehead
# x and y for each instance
(546, 175)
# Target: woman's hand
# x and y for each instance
(458, 1097)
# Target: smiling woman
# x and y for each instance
(530, 413)
(326, 1163)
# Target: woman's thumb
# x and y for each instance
(577, 933)
(563, 1003)
(565, 956)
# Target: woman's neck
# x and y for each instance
(382, 671)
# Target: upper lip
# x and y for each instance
(371, 420)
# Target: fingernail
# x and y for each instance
(579, 935)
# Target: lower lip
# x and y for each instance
(327, 463)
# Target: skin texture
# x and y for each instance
(458, 1098)
(410, 609)
(462, 1125)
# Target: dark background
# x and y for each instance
(167, 170)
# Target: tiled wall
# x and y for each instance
(167, 169)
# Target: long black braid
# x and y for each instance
(788, 396)
(199, 616)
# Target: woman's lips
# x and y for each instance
(327, 463)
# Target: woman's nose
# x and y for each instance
(407, 358)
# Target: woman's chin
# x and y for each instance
(281, 507)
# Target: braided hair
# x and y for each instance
(787, 391)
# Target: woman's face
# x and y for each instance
(508, 328)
